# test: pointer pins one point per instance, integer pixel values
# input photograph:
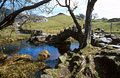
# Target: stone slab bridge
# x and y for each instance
(65, 34)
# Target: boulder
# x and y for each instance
(48, 38)
(101, 45)
(36, 39)
(118, 50)
(106, 67)
(63, 58)
(3, 57)
(109, 47)
(109, 35)
(115, 46)
(44, 55)
(106, 40)
(115, 40)
(46, 76)
(17, 57)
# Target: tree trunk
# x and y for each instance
(88, 23)
(80, 36)
(75, 20)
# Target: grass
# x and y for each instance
(9, 35)
(59, 22)
(106, 25)
(21, 69)
(54, 25)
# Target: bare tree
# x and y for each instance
(83, 36)
(67, 5)
(88, 22)
(10, 18)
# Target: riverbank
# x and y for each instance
(97, 63)
(11, 35)
(91, 62)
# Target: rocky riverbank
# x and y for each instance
(100, 64)
(91, 62)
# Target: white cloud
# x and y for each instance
(104, 8)
(107, 8)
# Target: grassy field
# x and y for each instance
(9, 35)
(58, 22)
(54, 25)
(106, 25)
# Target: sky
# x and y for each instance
(107, 8)
(104, 8)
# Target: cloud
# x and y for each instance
(107, 8)
(104, 8)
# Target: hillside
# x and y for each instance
(54, 24)
(61, 21)
(106, 25)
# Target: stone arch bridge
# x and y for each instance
(65, 34)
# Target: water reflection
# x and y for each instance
(74, 45)
(26, 48)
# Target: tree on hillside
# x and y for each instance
(83, 36)
(104, 19)
(81, 17)
(95, 15)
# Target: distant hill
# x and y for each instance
(36, 16)
(58, 15)
(114, 20)
(33, 17)
(22, 16)
(54, 24)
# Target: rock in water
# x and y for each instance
(44, 55)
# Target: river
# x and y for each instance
(26, 48)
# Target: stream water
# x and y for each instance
(26, 48)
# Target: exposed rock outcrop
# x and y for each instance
(15, 58)
(3, 57)
(103, 64)
(106, 67)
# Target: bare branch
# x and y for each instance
(10, 18)
(3, 4)
(66, 3)
(60, 4)
(74, 8)
(50, 9)
(69, 3)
